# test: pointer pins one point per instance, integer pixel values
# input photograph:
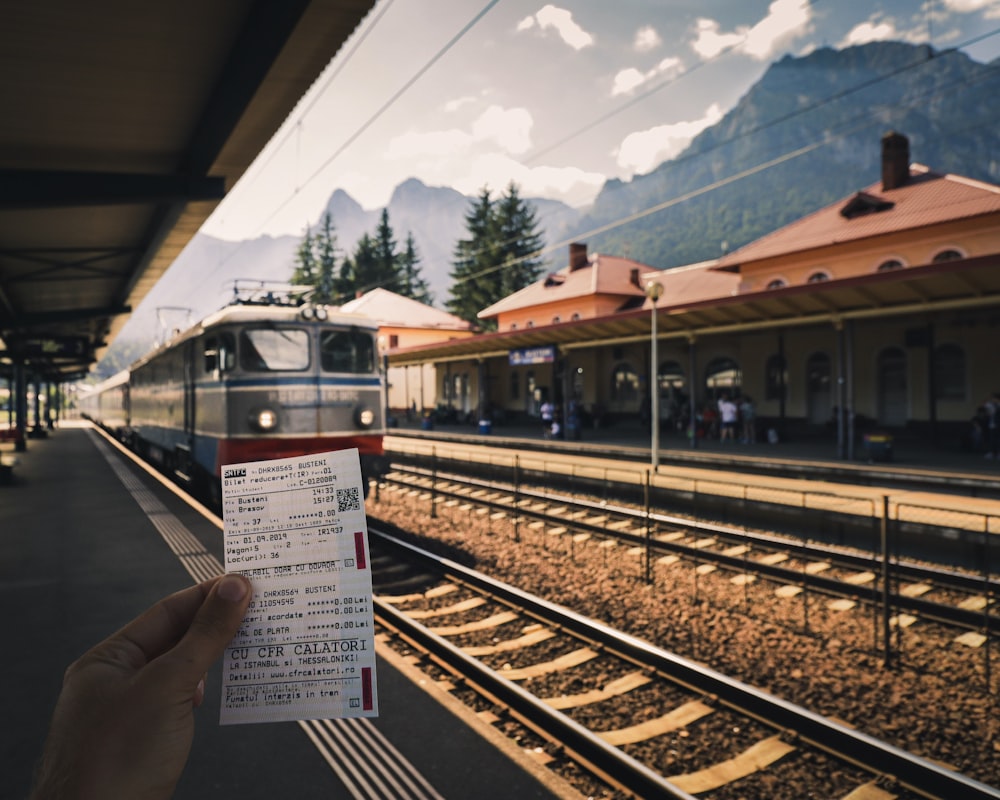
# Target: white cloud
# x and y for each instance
(569, 184)
(869, 32)
(646, 38)
(968, 6)
(641, 151)
(561, 21)
(629, 79)
(510, 128)
(458, 102)
(785, 19)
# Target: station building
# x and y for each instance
(406, 323)
(879, 311)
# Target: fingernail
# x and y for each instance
(232, 588)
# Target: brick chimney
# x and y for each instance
(895, 160)
(577, 256)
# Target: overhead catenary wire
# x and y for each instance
(587, 126)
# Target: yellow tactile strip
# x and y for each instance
(755, 758)
(678, 718)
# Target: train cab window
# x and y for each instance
(220, 353)
(273, 349)
(347, 351)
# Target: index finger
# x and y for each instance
(161, 626)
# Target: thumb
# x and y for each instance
(213, 627)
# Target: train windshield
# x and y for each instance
(272, 349)
(351, 350)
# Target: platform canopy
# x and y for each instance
(955, 286)
(122, 126)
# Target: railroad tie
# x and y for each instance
(870, 791)
(615, 688)
(680, 717)
(456, 608)
(755, 758)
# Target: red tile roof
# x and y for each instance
(928, 198)
(602, 275)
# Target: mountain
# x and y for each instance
(805, 135)
(818, 119)
(201, 280)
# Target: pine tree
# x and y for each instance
(316, 261)
(413, 284)
(326, 258)
(519, 241)
(304, 273)
(499, 256)
(364, 265)
(387, 267)
(472, 272)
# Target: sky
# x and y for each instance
(557, 97)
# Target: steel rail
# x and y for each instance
(928, 609)
(919, 775)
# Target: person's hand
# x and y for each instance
(124, 721)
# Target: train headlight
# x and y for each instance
(364, 417)
(264, 419)
(321, 313)
(308, 313)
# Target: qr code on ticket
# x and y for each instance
(348, 499)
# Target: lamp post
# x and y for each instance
(654, 291)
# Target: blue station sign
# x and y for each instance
(532, 355)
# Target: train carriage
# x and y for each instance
(258, 381)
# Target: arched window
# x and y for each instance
(513, 326)
(556, 319)
(891, 264)
(775, 377)
(949, 372)
(671, 376)
(530, 324)
(947, 255)
(624, 384)
(777, 283)
(575, 317)
(818, 277)
(722, 375)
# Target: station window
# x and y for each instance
(556, 319)
(576, 316)
(891, 264)
(624, 384)
(671, 377)
(723, 375)
(947, 255)
(819, 277)
(777, 283)
(949, 372)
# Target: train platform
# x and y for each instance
(81, 553)
(911, 462)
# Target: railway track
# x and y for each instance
(648, 722)
(898, 592)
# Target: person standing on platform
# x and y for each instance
(547, 410)
(747, 415)
(728, 417)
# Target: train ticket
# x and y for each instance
(296, 528)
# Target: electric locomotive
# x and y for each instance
(256, 381)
